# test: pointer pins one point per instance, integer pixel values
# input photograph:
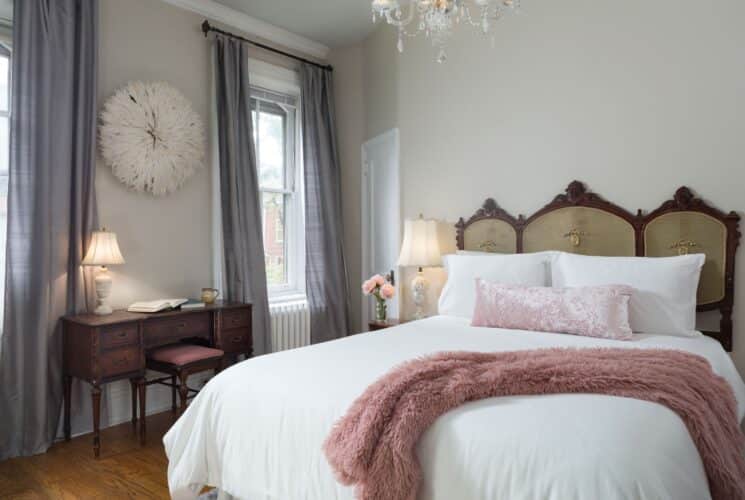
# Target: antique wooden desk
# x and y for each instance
(103, 349)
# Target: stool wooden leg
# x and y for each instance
(173, 394)
(183, 390)
(133, 388)
(142, 387)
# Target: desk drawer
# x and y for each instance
(119, 335)
(235, 340)
(236, 318)
(120, 361)
(163, 331)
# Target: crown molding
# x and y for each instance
(236, 19)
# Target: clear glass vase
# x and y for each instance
(381, 310)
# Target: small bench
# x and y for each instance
(180, 361)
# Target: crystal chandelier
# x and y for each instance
(436, 18)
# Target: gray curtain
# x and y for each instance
(326, 276)
(245, 273)
(51, 210)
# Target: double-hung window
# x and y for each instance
(276, 130)
(4, 158)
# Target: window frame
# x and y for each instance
(6, 52)
(268, 77)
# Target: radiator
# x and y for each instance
(290, 325)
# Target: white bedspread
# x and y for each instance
(256, 430)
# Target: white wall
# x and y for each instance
(634, 98)
(349, 102)
(166, 242)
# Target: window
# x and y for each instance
(276, 132)
(4, 157)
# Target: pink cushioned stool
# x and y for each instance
(179, 361)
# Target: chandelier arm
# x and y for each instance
(400, 23)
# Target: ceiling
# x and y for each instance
(334, 23)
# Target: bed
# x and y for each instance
(255, 432)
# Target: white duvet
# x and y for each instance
(255, 431)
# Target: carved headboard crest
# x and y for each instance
(580, 221)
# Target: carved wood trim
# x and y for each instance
(684, 200)
(488, 211)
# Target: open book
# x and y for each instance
(154, 306)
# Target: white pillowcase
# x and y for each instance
(458, 297)
(664, 297)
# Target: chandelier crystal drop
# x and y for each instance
(436, 18)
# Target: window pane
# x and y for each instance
(255, 125)
(271, 150)
(275, 237)
(3, 234)
(4, 142)
(4, 72)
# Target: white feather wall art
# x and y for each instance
(151, 137)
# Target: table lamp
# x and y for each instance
(103, 251)
(421, 248)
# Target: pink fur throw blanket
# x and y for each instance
(373, 445)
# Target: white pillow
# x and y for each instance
(664, 298)
(458, 297)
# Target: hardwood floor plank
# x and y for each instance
(68, 470)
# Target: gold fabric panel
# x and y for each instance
(679, 233)
(581, 230)
(490, 235)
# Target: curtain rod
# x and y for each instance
(207, 27)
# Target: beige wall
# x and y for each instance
(634, 98)
(165, 241)
(350, 110)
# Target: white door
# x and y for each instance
(381, 215)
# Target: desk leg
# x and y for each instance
(133, 390)
(67, 381)
(96, 400)
(141, 387)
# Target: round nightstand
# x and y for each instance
(381, 325)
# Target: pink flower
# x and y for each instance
(387, 291)
(368, 287)
(378, 279)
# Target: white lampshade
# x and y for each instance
(421, 247)
(103, 250)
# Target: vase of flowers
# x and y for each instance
(379, 287)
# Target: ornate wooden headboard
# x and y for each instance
(582, 222)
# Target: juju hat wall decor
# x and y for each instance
(151, 137)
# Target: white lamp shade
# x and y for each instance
(421, 247)
(103, 250)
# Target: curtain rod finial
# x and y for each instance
(206, 27)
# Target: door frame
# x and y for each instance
(392, 135)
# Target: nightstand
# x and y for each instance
(381, 325)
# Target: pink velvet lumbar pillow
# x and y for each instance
(590, 311)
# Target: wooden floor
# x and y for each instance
(69, 471)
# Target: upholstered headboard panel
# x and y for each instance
(582, 222)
